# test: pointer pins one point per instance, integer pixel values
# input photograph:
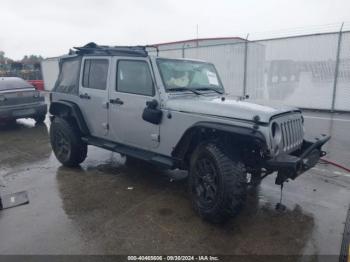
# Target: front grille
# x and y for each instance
(292, 134)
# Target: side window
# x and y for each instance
(134, 77)
(68, 79)
(95, 73)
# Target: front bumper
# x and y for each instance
(293, 165)
(23, 111)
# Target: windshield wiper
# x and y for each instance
(209, 88)
(184, 89)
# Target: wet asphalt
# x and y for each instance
(107, 207)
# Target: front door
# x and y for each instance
(134, 86)
(93, 94)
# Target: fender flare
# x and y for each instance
(64, 108)
(181, 148)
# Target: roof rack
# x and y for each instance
(94, 49)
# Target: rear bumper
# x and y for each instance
(291, 166)
(23, 111)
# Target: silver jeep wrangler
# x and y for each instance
(175, 113)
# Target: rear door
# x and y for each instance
(93, 94)
(133, 87)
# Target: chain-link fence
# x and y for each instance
(309, 71)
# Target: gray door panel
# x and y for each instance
(133, 88)
(93, 94)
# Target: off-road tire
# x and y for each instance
(74, 149)
(231, 182)
(39, 119)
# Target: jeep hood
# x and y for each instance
(229, 108)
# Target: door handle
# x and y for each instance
(117, 101)
(84, 96)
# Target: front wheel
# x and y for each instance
(217, 183)
(66, 143)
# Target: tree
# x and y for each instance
(4, 59)
(31, 59)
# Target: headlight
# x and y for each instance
(276, 133)
(2, 99)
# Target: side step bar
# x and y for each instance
(157, 159)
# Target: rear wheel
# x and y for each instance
(217, 183)
(66, 143)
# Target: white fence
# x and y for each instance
(310, 71)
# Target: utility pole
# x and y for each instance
(245, 66)
(337, 68)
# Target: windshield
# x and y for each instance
(183, 74)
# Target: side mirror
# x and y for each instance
(151, 113)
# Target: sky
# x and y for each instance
(50, 27)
